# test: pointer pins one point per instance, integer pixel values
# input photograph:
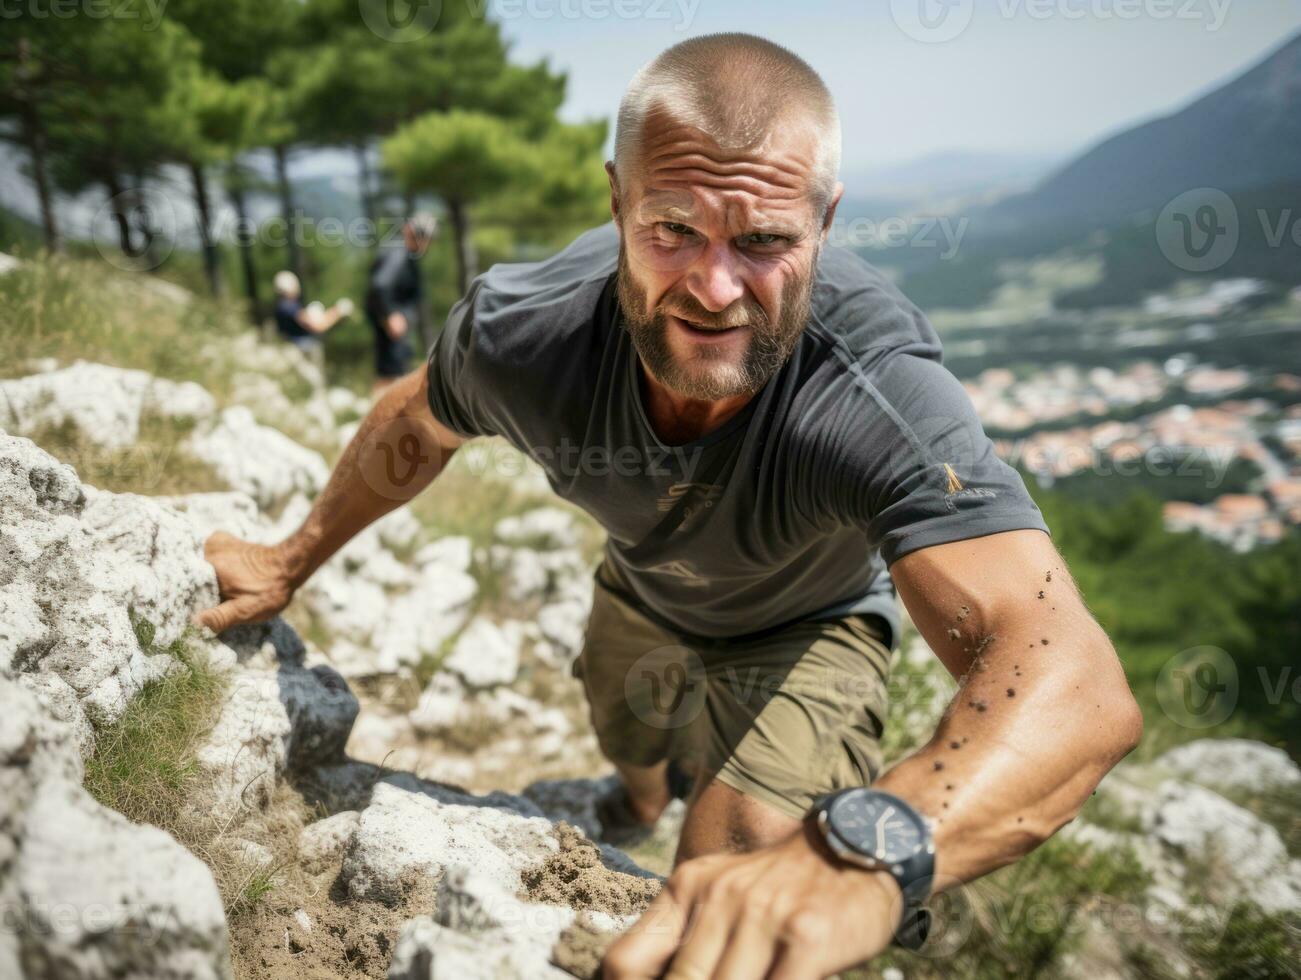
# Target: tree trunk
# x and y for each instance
(211, 259)
(35, 141)
(364, 178)
(466, 260)
(144, 224)
(288, 210)
(113, 185)
(244, 238)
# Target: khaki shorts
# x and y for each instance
(783, 717)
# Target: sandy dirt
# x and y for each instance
(580, 948)
(575, 876)
(346, 938)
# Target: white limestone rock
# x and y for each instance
(101, 897)
(1232, 764)
(475, 904)
(1195, 823)
(452, 553)
(486, 653)
(404, 837)
(545, 527)
(158, 567)
(104, 403)
(76, 566)
(257, 459)
(273, 723)
(324, 841)
(427, 951)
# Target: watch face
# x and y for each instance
(876, 824)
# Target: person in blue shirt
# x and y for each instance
(303, 326)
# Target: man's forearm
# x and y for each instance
(396, 453)
(1031, 731)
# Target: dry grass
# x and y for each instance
(156, 464)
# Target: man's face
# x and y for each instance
(717, 257)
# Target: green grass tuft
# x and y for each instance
(144, 764)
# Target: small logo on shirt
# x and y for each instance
(696, 498)
(684, 571)
(955, 486)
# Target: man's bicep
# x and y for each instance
(416, 406)
(964, 594)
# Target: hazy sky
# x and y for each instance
(1019, 76)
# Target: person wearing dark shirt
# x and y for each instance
(302, 325)
(763, 426)
(393, 299)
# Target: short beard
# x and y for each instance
(706, 377)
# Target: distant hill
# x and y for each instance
(1244, 135)
(950, 173)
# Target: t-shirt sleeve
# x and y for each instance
(458, 373)
(919, 469)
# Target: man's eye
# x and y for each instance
(675, 228)
(761, 240)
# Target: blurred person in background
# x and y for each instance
(303, 326)
(393, 299)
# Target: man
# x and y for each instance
(393, 299)
(303, 326)
(761, 424)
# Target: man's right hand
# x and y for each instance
(396, 326)
(253, 580)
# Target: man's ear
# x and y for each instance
(830, 216)
(614, 190)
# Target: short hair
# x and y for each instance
(286, 284)
(737, 88)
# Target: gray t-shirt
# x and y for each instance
(861, 449)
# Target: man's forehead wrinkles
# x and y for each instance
(779, 169)
(739, 212)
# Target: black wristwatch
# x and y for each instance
(881, 832)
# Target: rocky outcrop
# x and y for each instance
(97, 590)
(105, 403)
(257, 459)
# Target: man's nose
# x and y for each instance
(715, 279)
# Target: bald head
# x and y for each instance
(738, 90)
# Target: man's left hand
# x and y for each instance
(790, 911)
